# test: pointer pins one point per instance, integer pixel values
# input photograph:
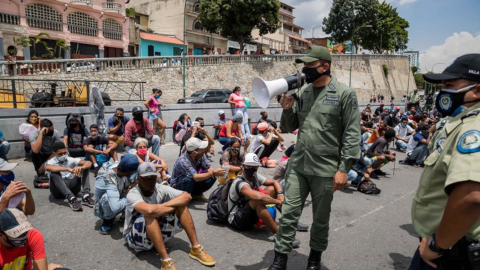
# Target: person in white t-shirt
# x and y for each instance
(266, 141)
(155, 213)
(402, 133)
(68, 176)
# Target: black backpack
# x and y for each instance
(217, 206)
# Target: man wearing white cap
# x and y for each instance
(155, 213)
(192, 171)
(222, 119)
(21, 245)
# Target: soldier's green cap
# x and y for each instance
(316, 53)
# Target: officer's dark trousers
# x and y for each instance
(297, 188)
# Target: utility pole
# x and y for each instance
(184, 47)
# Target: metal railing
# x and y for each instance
(286, 31)
(81, 2)
(44, 24)
(112, 34)
(82, 30)
(112, 7)
(62, 66)
(24, 93)
(9, 18)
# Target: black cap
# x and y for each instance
(464, 67)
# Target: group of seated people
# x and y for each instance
(139, 186)
(409, 131)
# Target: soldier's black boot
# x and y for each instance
(279, 262)
(314, 260)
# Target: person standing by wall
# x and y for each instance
(155, 113)
(328, 145)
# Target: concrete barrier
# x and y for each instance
(10, 119)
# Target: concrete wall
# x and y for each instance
(368, 77)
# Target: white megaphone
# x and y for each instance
(264, 91)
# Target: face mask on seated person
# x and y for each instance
(250, 172)
(138, 117)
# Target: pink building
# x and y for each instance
(89, 27)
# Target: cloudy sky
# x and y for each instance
(440, 29)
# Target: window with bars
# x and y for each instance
(112, 29)
(198, 26)
(83, 24)
(44, 17)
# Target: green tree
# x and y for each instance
(388, 31)
(61, 45)
(38, 39)
(347, 18)
(237, 18)
(130, 12)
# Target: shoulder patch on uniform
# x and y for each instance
(353, 96)
(332, 87)
(469, 142)
(442, 124)
(438, 144)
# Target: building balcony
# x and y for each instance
(291, 32)
(81, 2)
(286, 11)
(112, 7)
(9, 19)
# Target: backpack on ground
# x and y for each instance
(368, 187)
(217, 206)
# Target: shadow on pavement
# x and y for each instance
(60, 202)
(409, 228)
(400, 262)
(115, 233)
(295, 261)
(153, 258)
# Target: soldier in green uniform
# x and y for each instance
(446, 206)
(328, 144)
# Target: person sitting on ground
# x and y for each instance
(232, 158)
(155, 213)
(264, 118)
(377, 133)
(99, 148)
(198, 131)
(111, 186)
(402, 133)
(42, 141)
(14, 194)
(68, 176)
(379, 110)
(390, 120)
(417, 149)
(383, 115)
(222, 119)
(21, 245)
(266, 141)
(366, 115)
(27, 128)
(116, 126)
(367, 130)
(74, 135)
(137, 127)
(379, 151)
(180, 127)
(230, 130)
(247, 202)
(153, 107)
(141, 147)
(4, 147)
(192, 171)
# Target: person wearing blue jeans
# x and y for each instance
(419, 154)
(4, 147)
(110, 185)
(192, 171)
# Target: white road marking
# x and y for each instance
(373, 211)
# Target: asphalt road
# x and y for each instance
(366, 232)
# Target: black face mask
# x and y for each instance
(312, 74)
(249, 172)
(201, 125)
(235, 150)
(49, 134)
(73, 125)
(138, 117)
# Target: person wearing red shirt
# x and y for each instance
(139, 126)
(21, 245)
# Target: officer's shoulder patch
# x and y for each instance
(332, 87)
(469, 142)
(439, 144)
